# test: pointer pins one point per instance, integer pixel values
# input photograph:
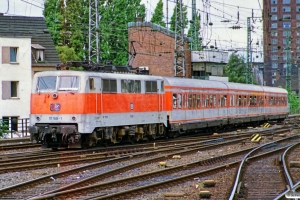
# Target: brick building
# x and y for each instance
(281, 42)
(154, 47)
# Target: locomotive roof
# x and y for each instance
(102, 75)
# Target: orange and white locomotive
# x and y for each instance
(75, 109)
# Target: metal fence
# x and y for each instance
(17, 127)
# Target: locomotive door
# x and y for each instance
(95, 88)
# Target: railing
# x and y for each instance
(17, 128)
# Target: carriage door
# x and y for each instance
(160, 91)
(95, 90)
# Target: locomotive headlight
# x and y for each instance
(38, 118)
(54, 95)
(74, 118)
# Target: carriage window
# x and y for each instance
(184, 100)
(214, 100)
(174, 100)
(198, 100)
(131, 86)
(251, 99)
(239, 101)
(223, 100)
(231, 100)
(190, 101)
(151, 86)
(207, 101)
(46, 83)
(194, 101)
(179, 101)
(109, 85)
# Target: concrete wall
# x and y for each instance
(20, 71)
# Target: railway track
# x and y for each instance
(47, 182)
(262, 176)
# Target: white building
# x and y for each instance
(26, 47)
(15, 70)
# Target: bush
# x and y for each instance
(3, 128)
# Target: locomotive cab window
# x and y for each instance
(151, 87)
(46, 84)
(109, 85)
(68, 83)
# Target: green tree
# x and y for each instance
(68, 23)
(235, 69)
(158, 14)
(195, 28)
(66, 54)
(184, 17)
(75, 27)
(3, 128)
(293, 102)
(115, 15)
(53, 18)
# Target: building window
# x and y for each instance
(274, 41)
(286, 1)
(298, 9)
(274, 17)
(286, 9)
(274, 57)
(274, 73)
(273, 81)
(274, 65)
(9, 54)
(298, 41)
(286, 25)
(38, 52)
(274, 25)
(273, 1)
(286, 17)
(286, 33)
(274, 49)
(274, 33)
(273, 9)
(13, 54)
(10, 89)
(40, 55)
(297, 1)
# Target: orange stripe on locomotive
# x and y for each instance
(91, 103)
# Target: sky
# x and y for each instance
(220, 34)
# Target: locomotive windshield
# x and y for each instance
(65, 83)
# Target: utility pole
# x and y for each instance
(249, 73)
(195, 42)
(179, 60)
(94, 30)
(167, 8)
(288, 61)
